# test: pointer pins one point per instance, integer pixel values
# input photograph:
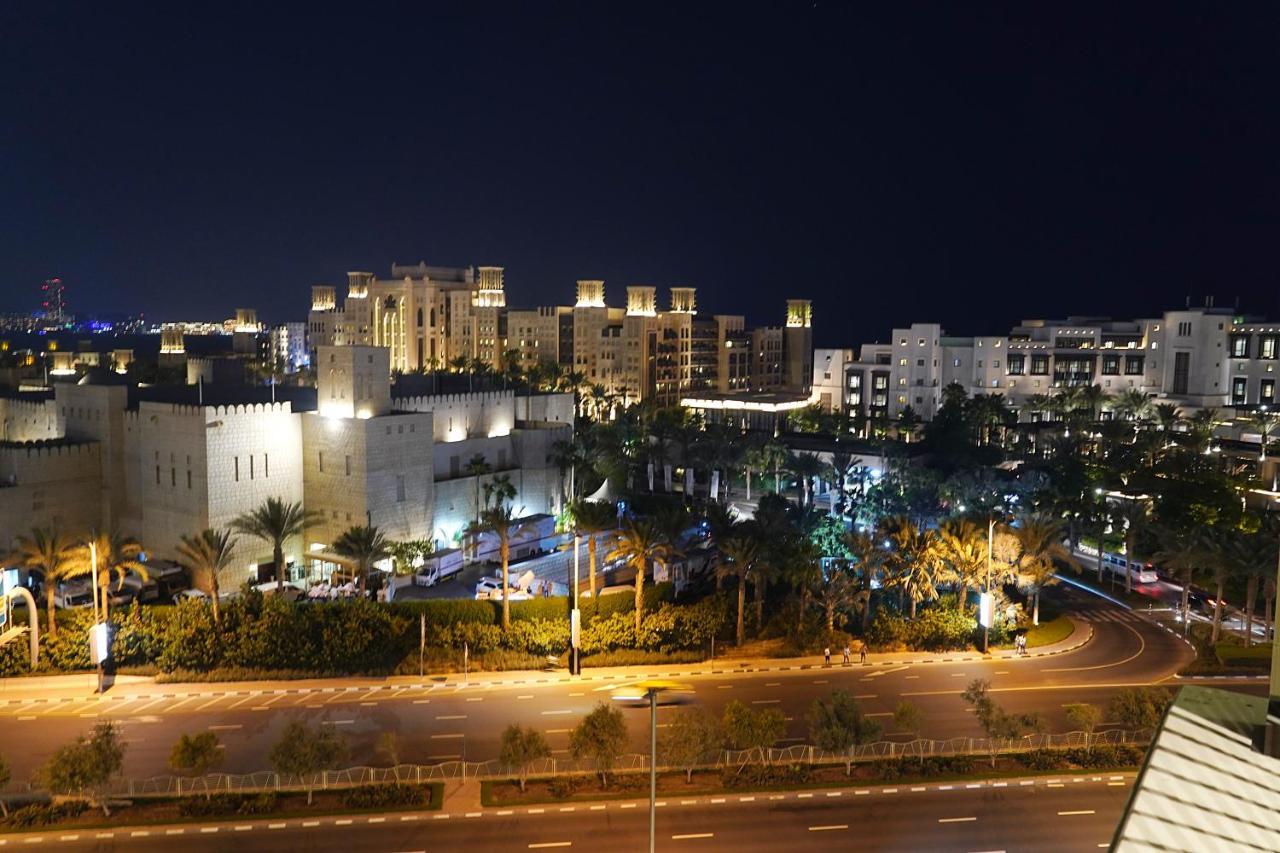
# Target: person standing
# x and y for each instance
(826, 656)
(862, 654)
(846, 660)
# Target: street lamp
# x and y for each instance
(575, 621)
(634, 693)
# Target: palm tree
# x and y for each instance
(1265, 423)
(908, 423)
(963, 547)
(48, 552)
(499, 519)
(363, 546)
(867, 559)
(1254, 557)
(839, 591)
(207, 555)
(915, 559)
(806, 466)
(117, 555)
(276, 522)
(477, 467)
(1132, 404)
(568, 455)
(1217, 547)
(1040, 551)
(1181, 552)
(640, 544)
(1093, 399)
(591, 518)
(1132, 513)
(1167, 416)
(740, 553)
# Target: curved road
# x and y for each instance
(445, 722)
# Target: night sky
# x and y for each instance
(971, 164)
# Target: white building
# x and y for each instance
(1195, 358)
(161, 462)
(289, 346)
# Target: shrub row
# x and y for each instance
(265, 634)
(44, 814)
(393, 795)
(226, 805)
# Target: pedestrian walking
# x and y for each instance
(826, 656)
(862, 655)
(847, 659)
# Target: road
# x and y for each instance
(1060, 815)
(444, 721)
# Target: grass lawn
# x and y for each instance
(1047, 633)
(1235, 653)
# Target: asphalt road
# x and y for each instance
(444, 722)
(1061, 817)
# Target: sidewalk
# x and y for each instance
(39, 689)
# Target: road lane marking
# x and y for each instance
(27, 717)
(1115, 784)
(765, 701)
(1076, 812)
(212, 829)
(475, 698)
(448, 736)
(344, 822)
(452, 717)
(525, 696)
(276, 825)
(724, 687)
(422, 701)
(558, 731)
(554, 713)
(226, 727)
(543, 844)
(865, 696)
(311, 823)
(181, 702)
(955, 819)
(690, 835)
(774, 683)
(343, 723)
(829, 828)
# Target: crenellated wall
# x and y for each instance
(463, 416)
(49, 485)
(28, 420)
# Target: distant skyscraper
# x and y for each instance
(53, 300)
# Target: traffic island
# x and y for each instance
(69, 814)
(572, 788)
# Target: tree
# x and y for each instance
(276, 522)
(500, 521)
(521, 746)
(195, 754)
(5, 776)
(389, 747)
(867, 559)
(48, 552)
(837, 724)
(363, 546)
(477, 467)
(806, 467)
(1085, 718)
(303, 752)
(85, 767)
(963, 546)
(691, 738)
(838, 592)
(640, 544)
(1132, 514)
(908, 717)
(740, 553)
(998, 723)
(601, 736)
(914, 560)
(1040, 550)
(1139, 708)
(591, 518)
(116, 556)
(746, 728)
(207, 555)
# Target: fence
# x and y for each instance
(266, 780)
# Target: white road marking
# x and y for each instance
(955, 819)
(690, 835)
(1076, 812)
(550, 844)
(452, 717)
(525, 696)
(765, 701)
(829, 828)
(448, 736)
(554, 713)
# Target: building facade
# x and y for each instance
(1196, 358)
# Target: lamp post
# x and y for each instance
(986, 619)
(575, 621)
(648, 691)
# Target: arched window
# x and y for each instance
(419, 318)
(433, 318)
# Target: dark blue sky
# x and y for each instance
(969, 163)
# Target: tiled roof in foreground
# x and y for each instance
(1205, 785)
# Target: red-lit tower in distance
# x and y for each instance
(53, 300)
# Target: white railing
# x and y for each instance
(266, 780)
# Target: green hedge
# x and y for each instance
(266, 634)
